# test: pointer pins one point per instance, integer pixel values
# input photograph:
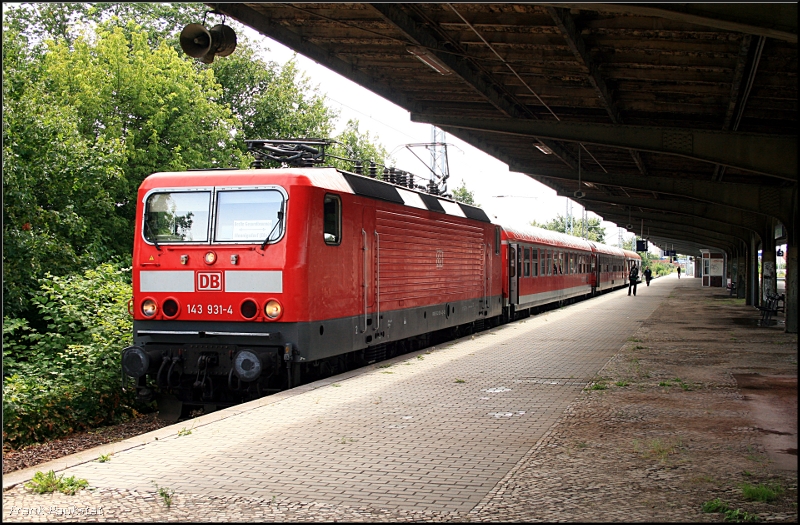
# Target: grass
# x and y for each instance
(715, 505)
(460, 381)
(104, 458)
(761, 492)
(622, 383)
(738, 515)
(658, 448)
(637, 369)
(42, 483)
(680, 382)
(335, 384)
(384, 366)
(165, 494)
(598, 386)
(184, 431)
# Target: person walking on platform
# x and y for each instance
(648, 274)
(679, 272)
(633, 279)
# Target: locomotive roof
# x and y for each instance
(324, 177)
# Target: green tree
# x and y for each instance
(594, 230)
(83, 125)
(59, 186)
(462, 194)
(42, 21)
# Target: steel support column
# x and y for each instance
(752, 272)
(769, 283)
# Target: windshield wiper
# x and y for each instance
(280, 221)
(147, 227)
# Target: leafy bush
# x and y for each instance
(68, 378)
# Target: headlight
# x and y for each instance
(210, 258)
(149, 308)
(273, 309)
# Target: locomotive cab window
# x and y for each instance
(176, 216)
(332, 210)
(249, 216)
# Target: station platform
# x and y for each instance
(618, 408)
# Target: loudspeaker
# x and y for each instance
(197, 42)
(223, 40)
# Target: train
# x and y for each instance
(247, 282)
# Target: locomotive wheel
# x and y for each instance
(169, 408)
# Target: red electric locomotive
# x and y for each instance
(244, 281)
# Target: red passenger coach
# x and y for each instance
(244, 280)
(543, 267)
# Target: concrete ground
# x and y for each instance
(460, 432)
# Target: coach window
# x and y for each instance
(548, 263)
(527, 265)
(512, 255)
(332, 210)
(534, 262)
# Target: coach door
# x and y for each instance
(513, 274)
(369, 255)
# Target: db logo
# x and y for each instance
(209, 281)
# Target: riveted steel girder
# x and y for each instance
(766, 200)
(702, 210)
(682, 247)
(773, 155)
(641, 220)
(725, 242)
(774, 20)
(679, 231)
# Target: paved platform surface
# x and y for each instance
(428, 436)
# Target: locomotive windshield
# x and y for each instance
(250, 215)
(245, 216)
(177, 216)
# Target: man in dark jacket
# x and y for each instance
(633, 278)
(648, 274)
